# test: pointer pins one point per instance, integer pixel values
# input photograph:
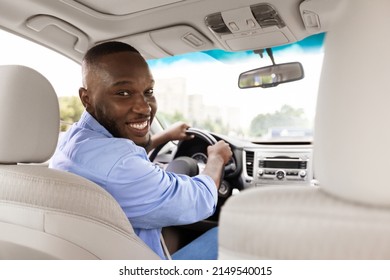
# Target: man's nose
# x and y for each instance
(141, 105)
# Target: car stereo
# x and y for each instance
(280, 166)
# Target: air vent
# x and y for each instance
(249, 162)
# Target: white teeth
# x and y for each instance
(139, 125)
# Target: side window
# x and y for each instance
(63, 73)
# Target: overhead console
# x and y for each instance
(273, 165)
(258, 25)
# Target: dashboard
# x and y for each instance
(252, 165)
(256, 165)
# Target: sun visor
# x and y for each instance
(124, 7)
(168, 41)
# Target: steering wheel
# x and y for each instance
(186, 165)
(204, 135)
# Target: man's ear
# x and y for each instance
(83, 94)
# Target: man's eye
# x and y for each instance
(149, 92)
(123, 93)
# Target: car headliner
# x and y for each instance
(157, 28)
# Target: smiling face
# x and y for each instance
(118, 93)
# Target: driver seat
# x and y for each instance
(347, 216)
(46, 213)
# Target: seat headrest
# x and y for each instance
(29, 116)
(352, 140)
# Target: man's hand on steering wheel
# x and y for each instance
(219, 155)
(177, 131)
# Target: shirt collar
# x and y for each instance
(88, 120)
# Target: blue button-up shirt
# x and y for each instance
(151, 197)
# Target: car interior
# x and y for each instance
(323, 197)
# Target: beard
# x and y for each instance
(108, 123)
(111, 125)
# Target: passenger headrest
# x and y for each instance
(352, 137)
(29, 116)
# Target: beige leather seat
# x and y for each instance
(348, 215)
(45, 213)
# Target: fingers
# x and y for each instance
(222, 149)
(178, 131)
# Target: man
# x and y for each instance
(110, 142)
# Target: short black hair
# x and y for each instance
(110, 47)
(93, 55)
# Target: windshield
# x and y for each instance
(202, 89)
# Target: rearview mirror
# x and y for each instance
(271, 76)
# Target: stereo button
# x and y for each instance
(280, 174)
